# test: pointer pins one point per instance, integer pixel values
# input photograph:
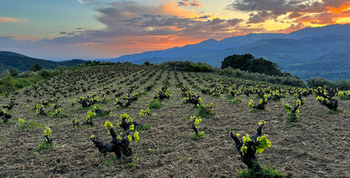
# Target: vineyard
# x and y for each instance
(127, 120)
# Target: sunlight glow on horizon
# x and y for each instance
(111, 28)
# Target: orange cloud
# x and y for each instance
(84, 44)
(192, 3)
(172, 8)
(9, 20)
(340, 9)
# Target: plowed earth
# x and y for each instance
(316, 146)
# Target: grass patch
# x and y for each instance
(144, 94)
(334, 112)
(205, 111)
(166, 150)
(143, 128)
(266, 172)
(292, 117)
(230, 97)
(110, 161)
(103, 113)
(153, 150)
(29, 124)
(8, 123)
(44, 145)
(235, 101)
(89, 108)
(155, 104)
(129, 166)
(197, 136)
(60, 115)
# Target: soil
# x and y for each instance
(316, 146)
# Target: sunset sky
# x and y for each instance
(101, 29)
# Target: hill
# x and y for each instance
(23, 63)
(295, 52)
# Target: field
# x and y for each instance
(315, 146)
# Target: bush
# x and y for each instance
(266, 172)
(247, 62)
(155, 104)
(36, 67)
(321, 82)
(188, 66)
(237, 73)
(46, 73)
(22, 124)
(7, 85)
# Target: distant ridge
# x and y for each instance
(9, 60)
(297, 52)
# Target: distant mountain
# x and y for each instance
(22, 63)
(307, 53)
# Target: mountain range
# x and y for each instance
(9, 60)
(308, 53)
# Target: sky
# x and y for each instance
(105, 29)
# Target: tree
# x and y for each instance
(36, 67)
(7, 85)
(88, 63)
(61, 69)
(5, 73)
(247, 62)
(14, 72)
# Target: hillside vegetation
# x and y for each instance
(167, 123)
(21, 63)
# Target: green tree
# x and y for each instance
(5, 73)
(7, 85)
(14, 72)
(36, 67)
(61, 69)
(246, 62)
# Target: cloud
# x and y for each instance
(278, 7)
(190, 3)
(204, 16)
(261, 11)
(10, 20)
(292, 28)
(85, 44)
(81, 2)
(260, 17)
(234, 22)
(132, 27)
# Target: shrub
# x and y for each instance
(144, 113)
(292, 111)
(344, 95)
(48, 142)
(119, 144)
(22, 124)
(331, 104)
(195, 121)
(205, 110)
(266, 172)
(235, 101)
(247, 148)
(128, 124)
(154, 104)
